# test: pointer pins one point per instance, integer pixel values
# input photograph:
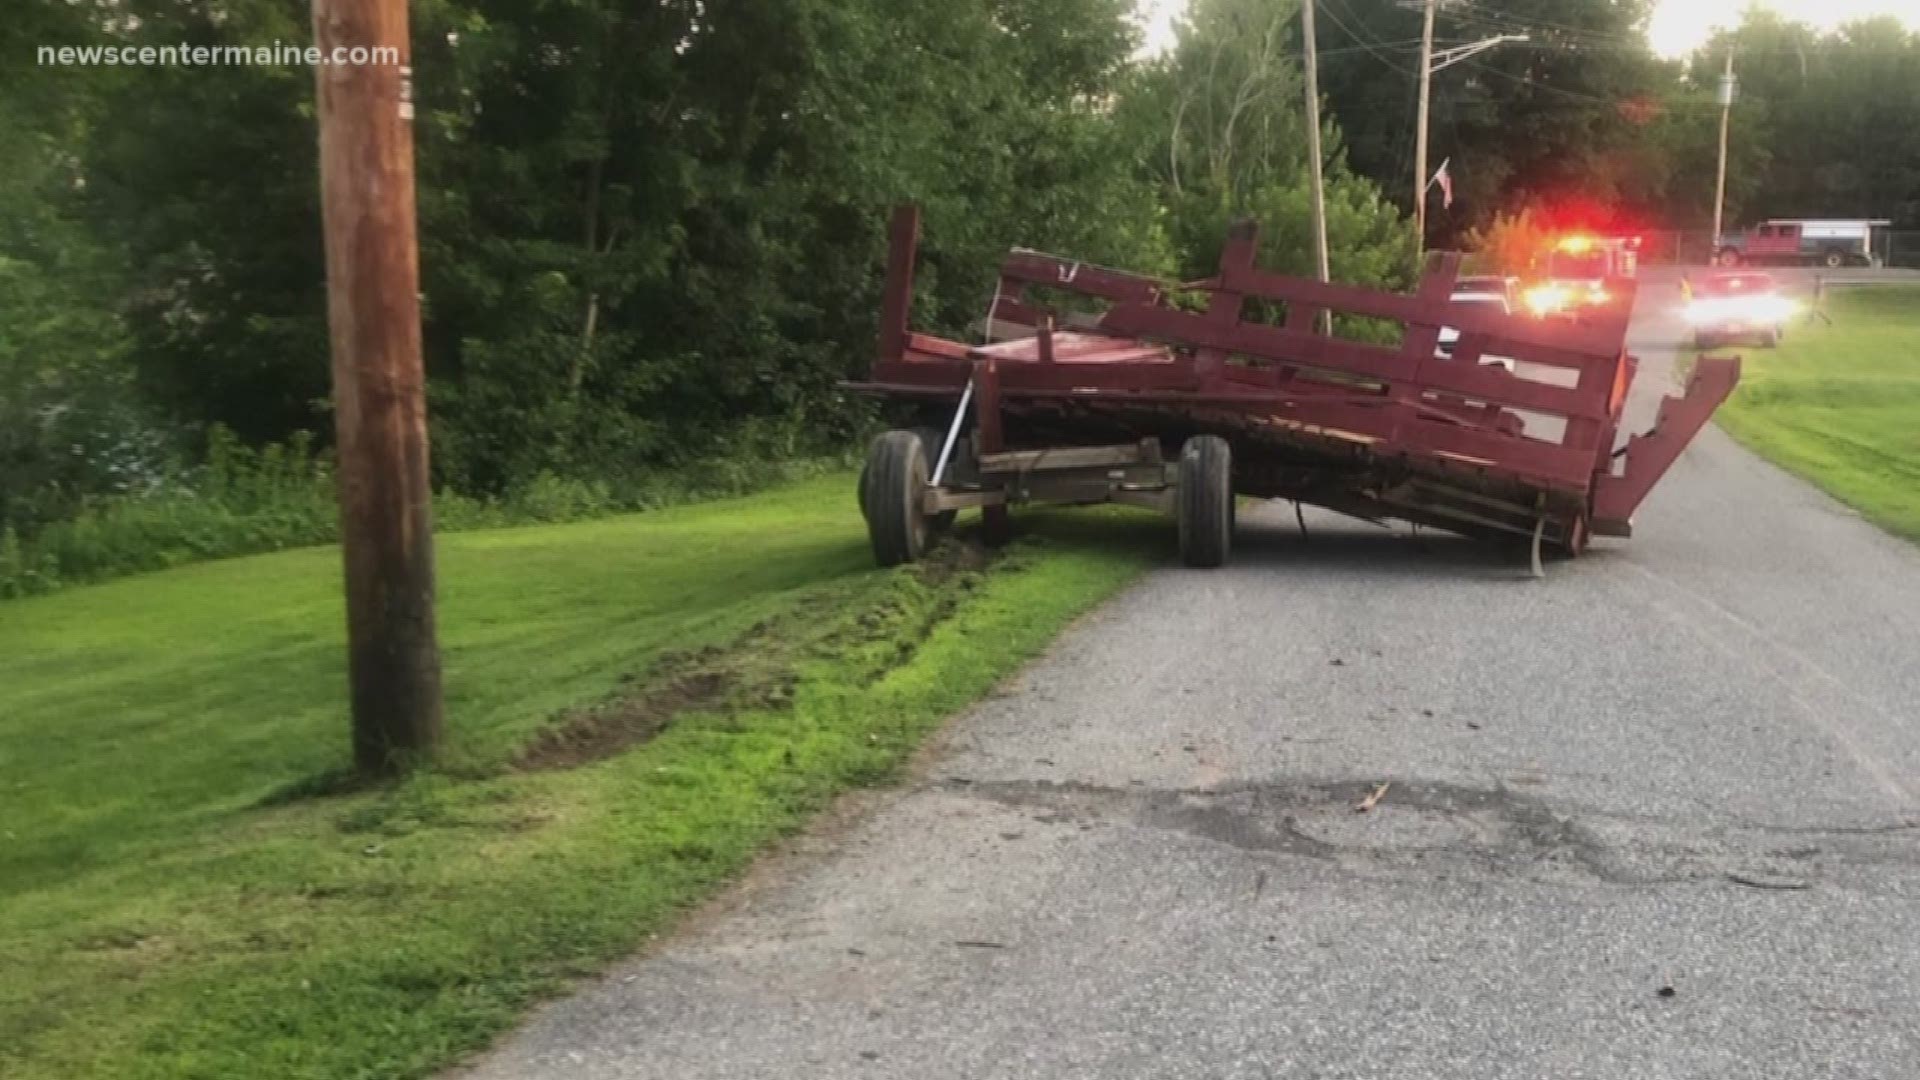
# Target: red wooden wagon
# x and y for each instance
(1179, 397)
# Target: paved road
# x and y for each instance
(1802, 278)
(1655, 816)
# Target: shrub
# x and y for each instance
(1509, 244)
(245, 501)
(242, 501)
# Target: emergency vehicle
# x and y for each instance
(1578, 272)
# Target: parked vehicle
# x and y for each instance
(1504, 286)
(1828, 242)
(1728, 307)
(1468, 293)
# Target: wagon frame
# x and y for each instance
(1148, 402)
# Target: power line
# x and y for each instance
(1576, 95)
(1404, 144)
(1363, 42)
(1474, 20)
(1490, 16)
(1535, 84)
(1368, 48)
(1403, 152)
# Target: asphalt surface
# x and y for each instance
(1657, 815)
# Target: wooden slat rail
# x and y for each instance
(1337, 355)
(1026, 268)
(1558, 343)
(1591, 350)
(1600, 337)
(1649, 455)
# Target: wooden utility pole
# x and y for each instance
(1319, 184)
(1431, 62)
(373, 314)
(1420, 127)
(1720, 182)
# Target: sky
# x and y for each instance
(1679, 26)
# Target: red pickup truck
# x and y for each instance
(1832, 243)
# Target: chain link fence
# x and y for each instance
(1903, 249)
(1695, 248)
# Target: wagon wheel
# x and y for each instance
(1205, 501)
(891, 487)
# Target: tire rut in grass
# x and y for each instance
(760, 669)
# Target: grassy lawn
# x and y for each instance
(185, 893)
(1840, 404)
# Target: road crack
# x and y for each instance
(1451, 830)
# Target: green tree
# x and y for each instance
(1832, 115)
(71, 424)
(678, 220)
(1223, 119)
(641, 224)
(1559, 121)
(206, 177)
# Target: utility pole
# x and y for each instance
(1430, 62)
(1720, 181)
(373, 316)
(1420, 127)
(1319, 185)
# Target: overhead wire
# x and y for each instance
(1349, 49)
(1326, 8)
(1471, 10)
(1403, 152)
(1576, 95)
(1474, 14)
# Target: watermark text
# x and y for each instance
(276, 54)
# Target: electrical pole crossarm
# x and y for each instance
(1448, 57)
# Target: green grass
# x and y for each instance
(1840, 405)
(172, 905)
(246, 501)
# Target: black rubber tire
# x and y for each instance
(890, 489)
(1834, 260)
(1727, 257)
(1205, 501)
